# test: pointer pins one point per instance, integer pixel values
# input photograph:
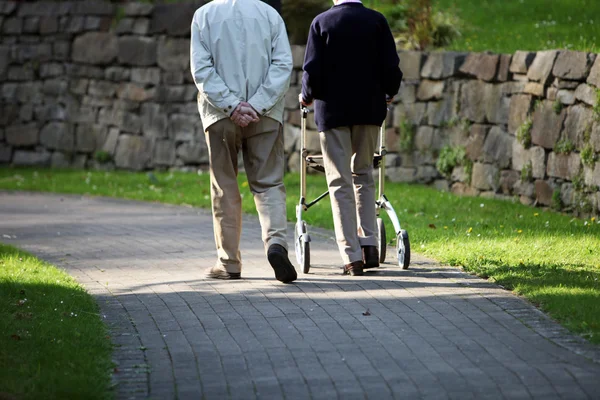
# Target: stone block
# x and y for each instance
(573, 65)
(137, 50)
(541, 68)
(594, 76)
(126, 121)
(504, 74)
(154, 121)
(31, 25)
(462, 189)
(31, 158)
(95, 48)
(595, 136)
(521, 61)
(430, 90)
(5, 59)
(133, 152)
(146, 75)
(475, 140)
(410, 64)
(86, 114)
(12, 26)
(48, 25)
(61, 50)
(141, 26)
(182, 127)
(566, 97)
(424, 138)
(7, 7)
(579, 120)
(485, 176)
(547, 125)
(401, 174)
(519, 108)
(414, 113)
(90, 137)
(32, 52)
(93, 7)
(460, 174)
(564, 84)
(483, 66)
(5, 153)
(172, 77)
(537, 157)
(134, 9)
(442, 65)
(497, 147)
(117, 74)
(567, 194)
(508, 180)
(520, 156)
(407, 93)
(496, 104)
(472, 101)
(551, 93)
(426, 174)
(125, 25)
(535, 89)
(592, 175)
(298, 55)
(97, 23)
(173, 54)
(164, 153)
(565, 166)
(193, 153)
(51, 70)
(172, 19)
(74, 24)
(440, 112)
(168, 94)
(102, 88)
(543, 192)
(22, 135)
(58, 136)
(586, 94)
(133, 92)
(20, 73)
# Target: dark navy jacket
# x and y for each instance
(350, 66)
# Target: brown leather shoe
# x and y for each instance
(370, 256)
(354, 268)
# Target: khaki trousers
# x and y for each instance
(348, 161)
(262, 149)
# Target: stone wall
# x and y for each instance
(92, 84)
(521, 126)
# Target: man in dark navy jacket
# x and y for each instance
(350, 72)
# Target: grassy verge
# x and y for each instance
(552, 259)
(506, 26)
(53, 344)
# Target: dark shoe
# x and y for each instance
(354, 268)
(278, 258)
(218, 273)
(370, 257)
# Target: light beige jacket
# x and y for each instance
(239, 52)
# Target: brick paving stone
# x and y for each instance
(432, 332)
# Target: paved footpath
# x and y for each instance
(429, 332)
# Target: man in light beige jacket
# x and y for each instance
(241, 63)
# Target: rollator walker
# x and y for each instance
(302, 238)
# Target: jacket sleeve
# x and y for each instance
(392, 75)
(313, 70)
(210, 85)
(277, 80)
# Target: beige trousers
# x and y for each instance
(348, 160)
(262, 149)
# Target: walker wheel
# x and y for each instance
(302, 247)
(382, 240)
(403, 249)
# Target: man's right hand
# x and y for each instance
(301, 100)
(244, 114)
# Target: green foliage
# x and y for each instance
(564, 146)
(524, 133)
(449, 158)
(527, 172)
(578, 182)
(53, 342)
(588, 157)
(102, 156)
(298, 15)
(556, 202)
(597, 106)
(557, 106)
(407, 136)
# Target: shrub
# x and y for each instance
(564, 146)
(449, 158)
(524, 133)
(588, 158)
(527, 172)
(557, 106)
(556, 202)
(407, 136)
(102, 156)
(298, 15)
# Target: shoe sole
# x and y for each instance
(353, 272)
(224, 276)
(284, 270)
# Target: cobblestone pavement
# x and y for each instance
(428, 332)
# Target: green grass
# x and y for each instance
(53, 344)
(504, 26)
(552, 259)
